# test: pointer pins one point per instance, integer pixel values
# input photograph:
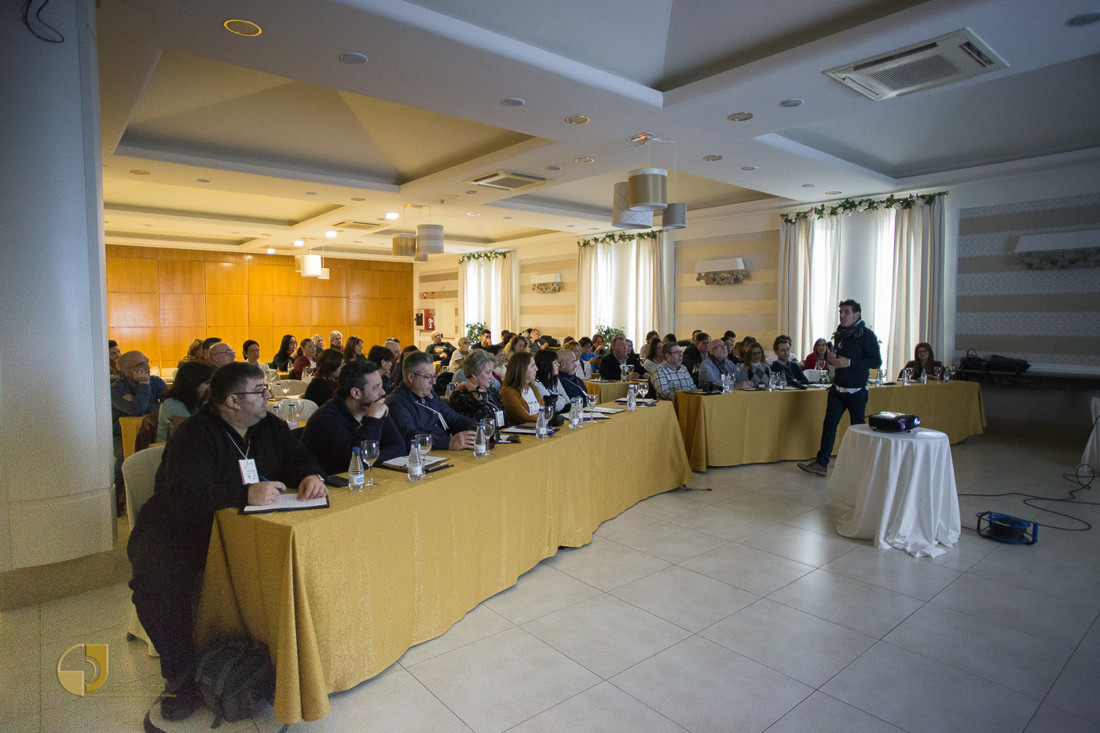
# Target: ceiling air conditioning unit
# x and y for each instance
(363, 226)
(507, 181)
(944, 60)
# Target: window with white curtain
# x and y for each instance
(625, 284)
(490, 292)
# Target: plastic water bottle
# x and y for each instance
(355, 470)
(631, 399)
(574, 415)
(416, 466)
(480, 441)
(541, 426)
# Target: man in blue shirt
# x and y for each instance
(416, 408)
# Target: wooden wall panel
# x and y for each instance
(159, 300)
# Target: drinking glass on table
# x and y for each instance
(938, 371)
(908, 375)
(424, 441)
(591, 399)
(368, 449)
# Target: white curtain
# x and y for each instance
(625, 284)
(808, 267)
(490, 292)
(918, 300)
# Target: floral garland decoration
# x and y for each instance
(485, 254)
(613, 237)
(848, 206)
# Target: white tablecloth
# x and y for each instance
(901, 487)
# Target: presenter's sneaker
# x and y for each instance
(813, 467)
(181, 698)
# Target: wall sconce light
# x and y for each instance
(721, 272)
(546, 282)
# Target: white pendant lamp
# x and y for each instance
(648, 189)
(429, 239)
(311, 265)
(325, 274)
(621, 215)
(404, 245)
(674, 216)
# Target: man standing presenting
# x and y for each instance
(856, 351)
(229, 454)
(416, 408)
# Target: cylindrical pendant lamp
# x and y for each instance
(403, 245)
(621, 215)
(325, 274)
(648, 189)
(311, 265)
(429, 239)
(674, 216)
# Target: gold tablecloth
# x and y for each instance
(762, 427)
(339, 594)
(608, 391)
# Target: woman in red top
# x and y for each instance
(923, 361)
(817, 360)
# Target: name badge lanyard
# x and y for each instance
(249, 473)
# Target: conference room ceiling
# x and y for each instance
(218, 141)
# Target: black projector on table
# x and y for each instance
(892, 422)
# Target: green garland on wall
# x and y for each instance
(485, 254)
(849, 206)
(614, 237)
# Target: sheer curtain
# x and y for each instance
(625, 284)
(808, 267)
(918, 300)
(490, 292)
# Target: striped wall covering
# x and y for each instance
(551, 313)
(1049, 317)
(750, 308)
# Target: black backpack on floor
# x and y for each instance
(236, 680)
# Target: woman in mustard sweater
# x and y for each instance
(521, 402)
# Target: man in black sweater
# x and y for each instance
(855, 351)
(231, 453)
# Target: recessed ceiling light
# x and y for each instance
(748, 167)
(357, 198)
(331, 234)
(712, 158)
(265, 234)
(513, 102)
(472, 213)
(507, 217)
(832, 193)
(352, 58)
(299, 242)
(391, 215)
(792, 102)
(739, 117)
(471, 193)
(578, 120)
(553, 167)
(357, 241)
(242, 27)
(149, 225)
(584, 159)
(311, 193)
(202, 180)
(1083, 19)
(570, 225)
(271, 250)
(807, 185)
(137, 172)
(593, 229)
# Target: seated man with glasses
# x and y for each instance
(416, 408)
(231, 453)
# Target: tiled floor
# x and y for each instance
(734, 609)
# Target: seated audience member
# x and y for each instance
(672, 375)
(395, 348)
(741, 349)
(611, 365)
(219, 354)
(184, 398)
(783, 363)
(923, 362)
(284, 359)
(582, 367)
(731, 349)
(134, 394)
(206, 345)
(475, 396)
(521, 401)
(113, 352)
(336, 340)
(655, 355)
(567, 374)
(484, 339)
(203, 470)
(517, 344)
(459, 354)
(439, 349)
(416, 408)
(819, 358)
(670, 338)
(194, 353)
(353, 350)
(533, 335)
(325, 383)
(383, 357)
(716, 364)
(755, 368)
(500, 366)
(697, 351)
(306, 360)
(251, 351)
(318, 342)
(357, 413)
(588, 354)
(599, 346)
(548, 382)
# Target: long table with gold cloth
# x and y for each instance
(339, 594)
(762, 427)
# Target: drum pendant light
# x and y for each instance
(674, 216)
(403, 245)
(429, 239)
(311, 265)
(621, 215)
(648, 189)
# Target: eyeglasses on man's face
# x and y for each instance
(425, 377)
(259, 391)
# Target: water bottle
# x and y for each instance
(416, 466)
(355, 471)
(782, 380)
(725, 383)
(541, 425)
(480, 442)
(631, 399)
(574, 415)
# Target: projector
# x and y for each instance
(893, 422)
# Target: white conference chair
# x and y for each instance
(308, 408)
(297, 387)
(139, 470)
